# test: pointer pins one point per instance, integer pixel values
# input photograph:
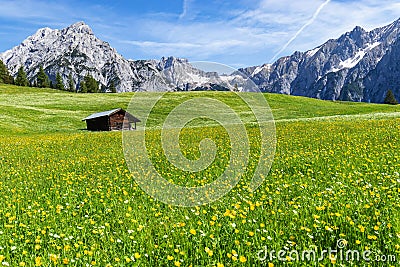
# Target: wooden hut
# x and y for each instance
(112, 120)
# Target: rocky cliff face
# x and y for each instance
(73, 50)
(359, 66)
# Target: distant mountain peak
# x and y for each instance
(74, 49)
(77, 51)
(358, 66)
(44, 31)
(358, 29)
(78, 24)
(80, 27)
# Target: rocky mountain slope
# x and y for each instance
(78, 51)
(358, 66)
(73, 50)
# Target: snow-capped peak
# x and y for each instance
(265, 67)
(74, 50)
(80, 27)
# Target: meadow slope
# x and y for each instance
(30, 110)
(69, 198)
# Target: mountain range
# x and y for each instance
(358, 66)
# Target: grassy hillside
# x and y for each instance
(68, 197)
(30, 110)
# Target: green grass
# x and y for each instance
(284, 107)
(29, 110)
(68, 196)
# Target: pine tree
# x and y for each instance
(21, 79)
(91, 84)
(42, 79)
(83, 87)
(5, 76)
(3, 72)
(59, 82)
(71, 83)
(390, 98)
(112, 87)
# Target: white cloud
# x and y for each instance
(185, 9)
(27, 9)
(333, 20)
(308, 23)
(49, 13)
(341, 17)
(203, 41)
(270, 29)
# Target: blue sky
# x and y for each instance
(236, 33)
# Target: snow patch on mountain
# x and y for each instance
(353, 61)
(265, 67)
(312, 52)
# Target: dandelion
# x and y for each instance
(53, 258)
(38, 261)
(332, 259)
(192, 231)
(208, 251)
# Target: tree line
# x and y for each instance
(87, 85)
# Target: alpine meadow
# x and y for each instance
(194, 133)
(69, 199)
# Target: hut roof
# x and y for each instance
(102, 114)
(109, 113)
